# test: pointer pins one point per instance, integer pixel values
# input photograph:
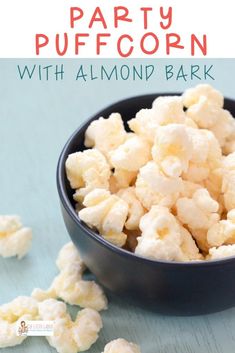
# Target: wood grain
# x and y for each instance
(36, 118)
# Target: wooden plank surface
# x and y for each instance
(36, 118)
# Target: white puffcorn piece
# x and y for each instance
(206, 156)
(229, 146)
(192, 95)
(8, 337)
(87, 326)
(120, 345)
(136, 210)
(214, 186)
(205, 107)
(214, 118)
(15, 240)
(165, 110)
(131, 155)
(69, 254)
(229, 190)
(229, 162)
(9, 224)
(86, 171)
(16, 244)
(198, 212)
(228, 184)
(145, 124)
(189, 189)
(161, 237)
(221, 252)
(155, 188)
(106, 134)
(69, 285)
(121, 179)
(205, 115)
(18, 307)
(222, 232)
(11, 314)
(169, 110)
(70, 336)
(189, 247)
(172, 149)
(107, 213)
(224, 131)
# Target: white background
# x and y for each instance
(20, 20)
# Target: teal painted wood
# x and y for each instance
(36, 118)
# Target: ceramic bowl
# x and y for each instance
(168, 287)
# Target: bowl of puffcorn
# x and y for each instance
(147, 191)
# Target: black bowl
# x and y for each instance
(168, 287)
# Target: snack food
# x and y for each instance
(188, 179)
(153, 187)
(165, 110)
(163, 238)
(106, 134)
(131, 155)
(120, 345)
(15, 240)
(222, 232)
(86, 171)
(69, 284)
(107, 213)
(68, 335)
(221, 252)
(11, 314)
(228, 181)
(135, 208)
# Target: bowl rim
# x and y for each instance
(60, 181)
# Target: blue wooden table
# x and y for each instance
(36, 118)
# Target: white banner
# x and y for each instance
(117, 28)
(35, 328)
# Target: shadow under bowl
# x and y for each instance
(172, 288)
